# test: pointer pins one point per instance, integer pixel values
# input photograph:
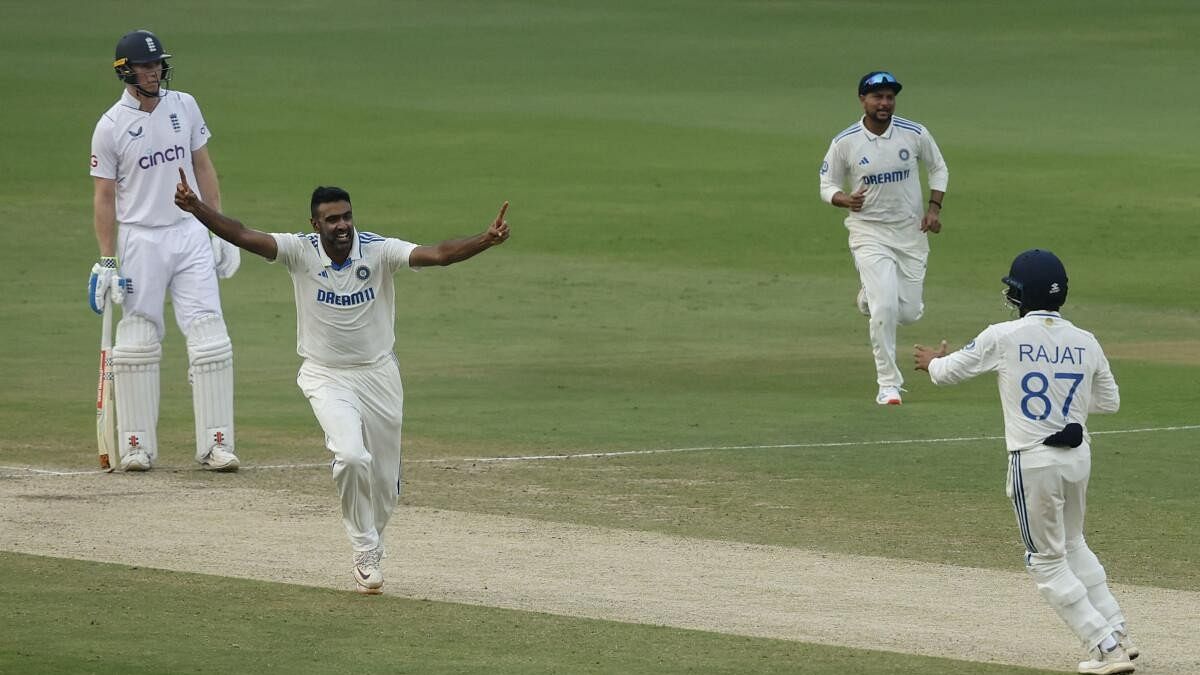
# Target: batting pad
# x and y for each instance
(136, 355)
(210, 355)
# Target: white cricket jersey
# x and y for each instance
(1050, 373)
(143, 152)
(887, 166)
(345, 316)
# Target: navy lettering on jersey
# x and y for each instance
(1056, 354)
(160, 156)
(325, 297)
(886, 177)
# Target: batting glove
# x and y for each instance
(226, 257)
(102, 283)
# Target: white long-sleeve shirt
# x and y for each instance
(1050, 373)
(887, 166)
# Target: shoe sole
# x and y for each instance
(228, 468)
(363, 590)
(893, 401)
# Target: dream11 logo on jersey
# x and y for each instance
(161, 156)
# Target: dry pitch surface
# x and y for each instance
(622, 575)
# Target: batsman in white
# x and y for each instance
(148, 246)
(345, 333)
(876, 158)
(1051, 375)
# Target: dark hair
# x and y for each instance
(325, 195)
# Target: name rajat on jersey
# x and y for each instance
(325, 297)
(886, 177)
(1055, 354)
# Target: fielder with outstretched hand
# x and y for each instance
(1051, 376)
(345, 333)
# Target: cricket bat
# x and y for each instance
(106, 407)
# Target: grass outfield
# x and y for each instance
(673, 281)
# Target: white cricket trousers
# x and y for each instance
(176, 258)
(360, 409)
(1048, 488)
(894, 280)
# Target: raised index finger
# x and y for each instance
(182, 177)
(503, 208)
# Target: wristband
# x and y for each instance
(939, 204)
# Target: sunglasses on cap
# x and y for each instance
(878, 80)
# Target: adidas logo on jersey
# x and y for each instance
(864, 161)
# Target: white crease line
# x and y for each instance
(784, 446)
(25, 470)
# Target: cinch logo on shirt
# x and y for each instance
(327, 298)
(889, 177)
(161, 156)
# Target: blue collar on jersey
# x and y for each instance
(355, 253)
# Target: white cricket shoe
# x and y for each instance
(368, 575)
(220, 459)
(1107, 663)
(888, 396)
(1127, 643)
(135, 460)
(861, 302)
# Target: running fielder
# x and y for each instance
(345, 332)
(138, 146)
(871, 170)
(1051, 376)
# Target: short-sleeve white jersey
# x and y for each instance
(886, 165)
(1050, 373)
(143, 151)
(345, 314)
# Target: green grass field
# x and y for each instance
(672, 281)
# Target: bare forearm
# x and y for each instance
(104, 220)
(234, 232)
(209, 185)
(457, 250)
(206, 178)
(229, 229)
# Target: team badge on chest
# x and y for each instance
(363, 273)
